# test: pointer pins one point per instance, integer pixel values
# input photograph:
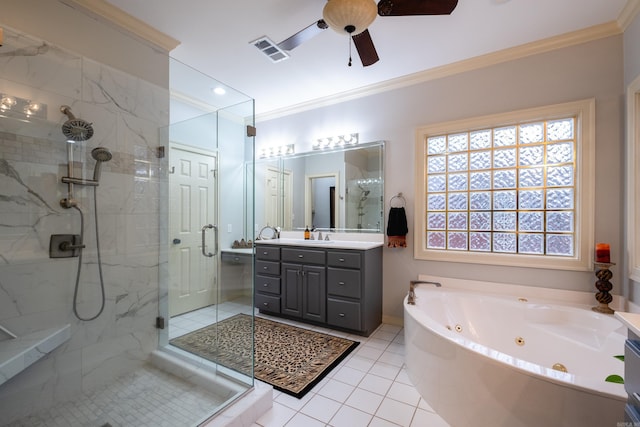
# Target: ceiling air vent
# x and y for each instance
(269, 48)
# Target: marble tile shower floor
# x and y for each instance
(148, 397)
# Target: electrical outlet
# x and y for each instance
(229, 228)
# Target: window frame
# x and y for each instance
(584, 113)
(633, 179)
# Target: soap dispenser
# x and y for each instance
(307, 233)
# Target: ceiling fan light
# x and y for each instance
(341, 14)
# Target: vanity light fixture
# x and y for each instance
(368, 181)
(21, 108)
(333, 142)
(7, 102)
(277, 151)
(31, 108)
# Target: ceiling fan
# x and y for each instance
(353, 17)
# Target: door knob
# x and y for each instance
(176, 241)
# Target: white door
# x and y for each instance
(271, 198)
(278, 207)
(192, 206)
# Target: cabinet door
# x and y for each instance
(314, 294)
(291, 283)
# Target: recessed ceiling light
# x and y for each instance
(219, 90)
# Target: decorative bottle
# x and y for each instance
(307, 233)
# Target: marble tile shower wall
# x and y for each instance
(36, 292)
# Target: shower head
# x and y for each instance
(101, 155)
(75, 129)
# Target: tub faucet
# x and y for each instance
(411, 299)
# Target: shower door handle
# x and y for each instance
(215, 245)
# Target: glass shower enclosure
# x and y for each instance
(207, 291)
(163, 200)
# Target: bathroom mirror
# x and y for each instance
(339, 190)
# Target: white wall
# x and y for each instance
(589, 70)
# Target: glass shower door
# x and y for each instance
(208, 309)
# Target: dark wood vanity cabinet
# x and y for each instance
(338, 288)
(267, 279)
(632, 379)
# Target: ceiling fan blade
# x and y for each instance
(303, 35)
(416, 7)
(365, 47)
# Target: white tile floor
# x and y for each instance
(369, 388)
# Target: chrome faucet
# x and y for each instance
(411, 299)
(275, 233)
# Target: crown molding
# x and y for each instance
(628, 14)
(118, 17)
(541, 46)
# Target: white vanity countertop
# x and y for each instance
(245, 251)
(630, 320)
(337, 244)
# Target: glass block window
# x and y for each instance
(509, 189)
(519, 189)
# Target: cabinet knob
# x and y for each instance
(265, 253)
(265, 285)
(341, 314)
(341, 283)
(341, 259)
(265, 267)
(300, 256)
(266, 304)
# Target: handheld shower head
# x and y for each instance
(75, 129)
(101, 155)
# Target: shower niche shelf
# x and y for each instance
(18, 354)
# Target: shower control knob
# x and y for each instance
(176, 241)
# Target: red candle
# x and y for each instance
(603, 253)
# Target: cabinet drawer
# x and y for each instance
(632, 367)
(267, 303)
(268, 284)
(344, 314)
(233, 258)
(343, 282)
(343, 259)
(268, 253)
(307, 256)
(267, 267)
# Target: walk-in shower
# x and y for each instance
(71, 245)
(104, 363)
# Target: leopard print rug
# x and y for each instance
(289, 358)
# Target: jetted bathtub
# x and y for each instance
(487, 359)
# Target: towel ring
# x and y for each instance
(400, 202)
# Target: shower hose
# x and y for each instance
(77, 286)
